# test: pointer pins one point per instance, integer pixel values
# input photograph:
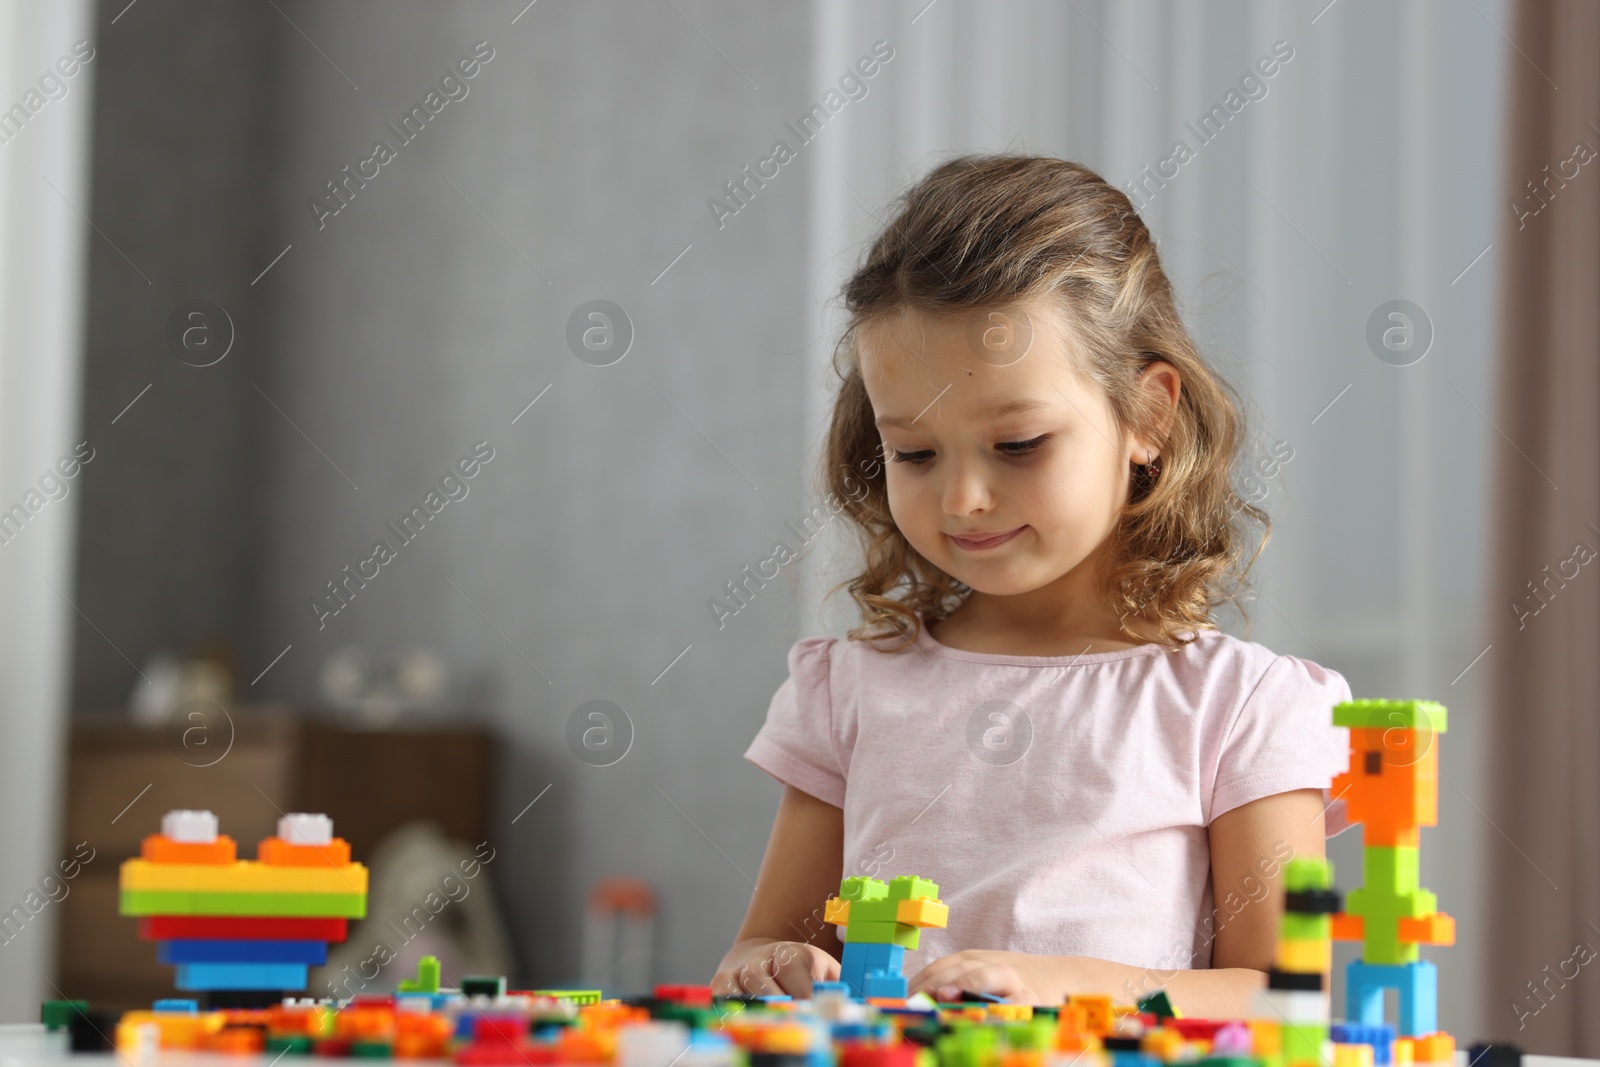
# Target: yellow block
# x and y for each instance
(1352, 1056)
(244, 876)
(922, 912)
(1305, 957)
(836, 912)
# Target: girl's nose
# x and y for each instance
(966, 489)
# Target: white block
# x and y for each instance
(190, 827)
(303, 828)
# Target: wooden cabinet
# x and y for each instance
(249, 766)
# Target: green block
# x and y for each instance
(1304, 872)
(1391, 714)
(58, 1014)
(882, 934)
(1158, 1004)
(371, 1050)
(196, 902)
(1303, 1041)
(576, 996)
(1380, 905)
(968, 1045)
(857, 888)
(911, 887)
(427, 979)
(1389, 869)
(1037, 1034)
(1296, 927)
(293, 1045)
(874, 911)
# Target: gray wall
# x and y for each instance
(408, 328)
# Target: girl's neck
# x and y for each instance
(1009, 626)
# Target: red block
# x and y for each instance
(1196, 1029)
(687, 994)
(235, 928)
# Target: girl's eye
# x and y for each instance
(913, 457)
(1022, 448)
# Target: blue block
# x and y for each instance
(823, 986)
(862, 960)
(882, 957)
(263, 951)
(1416, 982)
(879, 984)
(1380, 1037)
(180, 1007)
(198, 976)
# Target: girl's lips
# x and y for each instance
(974, 544)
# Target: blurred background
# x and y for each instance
(559, 352)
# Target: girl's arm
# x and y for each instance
(802, 868)
(1242, 842)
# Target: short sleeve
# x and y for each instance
(796, 744)
(1283, 739)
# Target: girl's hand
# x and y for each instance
(1019, 977)
(773, 968)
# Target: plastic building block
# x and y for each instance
(305, 828)
(57, 1014)
(1417, 984)
(243, 877)
(1435, 1048)
(427, 979)
(241, 928)
(1435, 929)
(882, 933)
(483, 986)
(1353, 1056)
(922, 912)
(189, 827)
(269, 976)
(287, 905)
(158, 848)
(219, 951)
(276, 852)
(1380, 1037)
(1159, 1005)
(187, 1007)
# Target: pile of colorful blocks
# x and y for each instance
(243, 925)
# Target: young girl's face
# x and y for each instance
(1005, 467)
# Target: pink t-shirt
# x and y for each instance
(1060, 802)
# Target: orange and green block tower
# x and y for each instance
(880, 921)
(1392, 790)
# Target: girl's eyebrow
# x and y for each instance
(999, 411)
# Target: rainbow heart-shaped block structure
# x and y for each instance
(232, 924)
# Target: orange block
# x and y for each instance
(1434, 1048)
(279, 853)
(157, 848)
(1435, 929)
(1348, 927)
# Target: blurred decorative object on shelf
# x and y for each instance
(378, 688)
(169, 683)
(619, 936)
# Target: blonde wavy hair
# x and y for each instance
(984, 232)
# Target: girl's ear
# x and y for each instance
(1162, 385)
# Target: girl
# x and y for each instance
(1037, 711)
